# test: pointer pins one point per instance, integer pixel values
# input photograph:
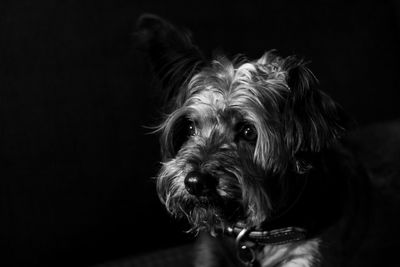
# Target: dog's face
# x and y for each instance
(236, 131)
(222, 143)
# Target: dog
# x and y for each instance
(253, 156)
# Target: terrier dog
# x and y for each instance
(252, 155)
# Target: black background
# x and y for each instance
(75, 158)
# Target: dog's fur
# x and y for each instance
(268, 142)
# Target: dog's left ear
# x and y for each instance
(312, 120)
(173, 56)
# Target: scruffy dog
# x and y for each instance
(252, 156)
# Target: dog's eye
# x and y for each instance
(248, 132)
(182, 131)
(191, 128)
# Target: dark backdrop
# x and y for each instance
(75, 158)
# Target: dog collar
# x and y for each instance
(247, 240)
(267, 237)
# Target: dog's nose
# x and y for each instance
(199, 184)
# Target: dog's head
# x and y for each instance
(236, 131)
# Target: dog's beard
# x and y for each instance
(208, 213)
(236, 198)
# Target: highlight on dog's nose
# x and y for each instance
(199, 184)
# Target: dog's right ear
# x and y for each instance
(172, 55)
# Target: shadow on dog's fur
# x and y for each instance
(291, 165)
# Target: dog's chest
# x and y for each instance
(299, 254)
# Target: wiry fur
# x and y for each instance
(218, 99)
(294, 122)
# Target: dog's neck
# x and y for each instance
(315, 203)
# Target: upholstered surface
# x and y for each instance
(172, 257)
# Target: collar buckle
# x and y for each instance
(245, 251)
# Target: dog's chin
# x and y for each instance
(210, 214)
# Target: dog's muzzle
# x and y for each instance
(200, 184)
